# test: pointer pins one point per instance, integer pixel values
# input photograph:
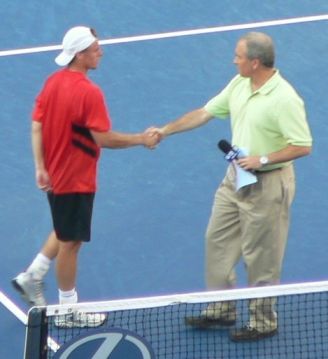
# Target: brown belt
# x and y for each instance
(268, 171)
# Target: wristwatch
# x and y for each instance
(264, 160)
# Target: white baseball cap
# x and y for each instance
(75, 40)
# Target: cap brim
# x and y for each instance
(63, 59)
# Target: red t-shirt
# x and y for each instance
(68, 106)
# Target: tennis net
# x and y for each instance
(155, 327)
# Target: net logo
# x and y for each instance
(106, 344)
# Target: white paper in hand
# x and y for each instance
(243, 177)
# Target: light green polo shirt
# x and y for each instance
(263, 121)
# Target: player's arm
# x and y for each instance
(41, 174)
(37, 147)
(187, 122)
(116, 140)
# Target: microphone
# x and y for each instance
(243, 177)
(231, 152)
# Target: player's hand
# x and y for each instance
(151, 139)
(156, 131)
(43, 180)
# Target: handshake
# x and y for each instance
(152, 136)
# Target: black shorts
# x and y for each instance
(71, 215)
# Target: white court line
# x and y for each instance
(12, 307)
(18, 313)
(208, 30)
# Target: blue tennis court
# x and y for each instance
(152, 207)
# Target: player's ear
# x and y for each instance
(79, 55)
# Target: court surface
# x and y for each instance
(152, 207)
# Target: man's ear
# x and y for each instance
(255, 64)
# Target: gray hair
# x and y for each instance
(260, 46)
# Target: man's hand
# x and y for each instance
(151, 138)
(156, 131)
(43, 180)
(249, 163)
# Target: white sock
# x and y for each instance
(39, 267)
(68, 296)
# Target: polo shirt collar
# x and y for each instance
(270, 84)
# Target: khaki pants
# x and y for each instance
(251, 223)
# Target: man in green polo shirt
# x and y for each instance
(268, 120)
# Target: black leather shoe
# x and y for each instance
(204, 322)
(248, 333)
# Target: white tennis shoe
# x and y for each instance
(80, 320)
(31, 289)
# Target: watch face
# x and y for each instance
(264, 160)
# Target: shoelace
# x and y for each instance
(38, 286)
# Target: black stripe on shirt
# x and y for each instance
(83, 131)
(86, 149)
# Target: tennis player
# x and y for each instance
(70, 125)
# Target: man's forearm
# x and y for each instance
(37, 146)
(187, 122)
(289, 153)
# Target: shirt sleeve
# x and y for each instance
(97, 115)
(293, 123)
(219, 105)
(38, 112)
